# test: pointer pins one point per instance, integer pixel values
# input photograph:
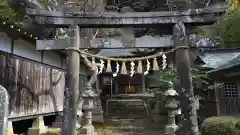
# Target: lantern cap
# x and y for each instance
(99, 91)
(171, 92)
(89, 93)
(171, 85)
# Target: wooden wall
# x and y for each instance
(35, 80)
(33, 88)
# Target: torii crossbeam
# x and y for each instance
(137, 19)
(60, 19)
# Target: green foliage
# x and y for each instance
(238, 124)
(160, 80)
(6, 11)
(226, 31)
(219, 126)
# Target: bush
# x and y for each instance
(219, 126)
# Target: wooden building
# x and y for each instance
(223, 67)
(228, 74)
(34, 79)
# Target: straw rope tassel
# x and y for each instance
(148, 68)
(140, 68)
(109, 68)
(132, 71)
(164, 61)
(155, 65)
(124, 68)
(117, 70)
(101, 66)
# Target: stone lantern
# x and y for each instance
(98, 111)
(88, 96)
(172, 105)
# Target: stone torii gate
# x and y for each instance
(75, 21)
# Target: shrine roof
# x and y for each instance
(19, 31)
(7, 26)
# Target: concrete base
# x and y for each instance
(33, 131)
(38, 127)
(170, 129)
(57, 122)
(10, 128)
(87, 130)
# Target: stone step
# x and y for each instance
(126, 122)
(126, 108)
(156, 132)
(136, 131)
(126, 128)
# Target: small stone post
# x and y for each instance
(4, 102)
(88, 95)
(171, 104)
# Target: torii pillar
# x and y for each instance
(71, 83)
(187, 98)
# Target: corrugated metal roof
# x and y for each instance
(232, 63)
(216, 59)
